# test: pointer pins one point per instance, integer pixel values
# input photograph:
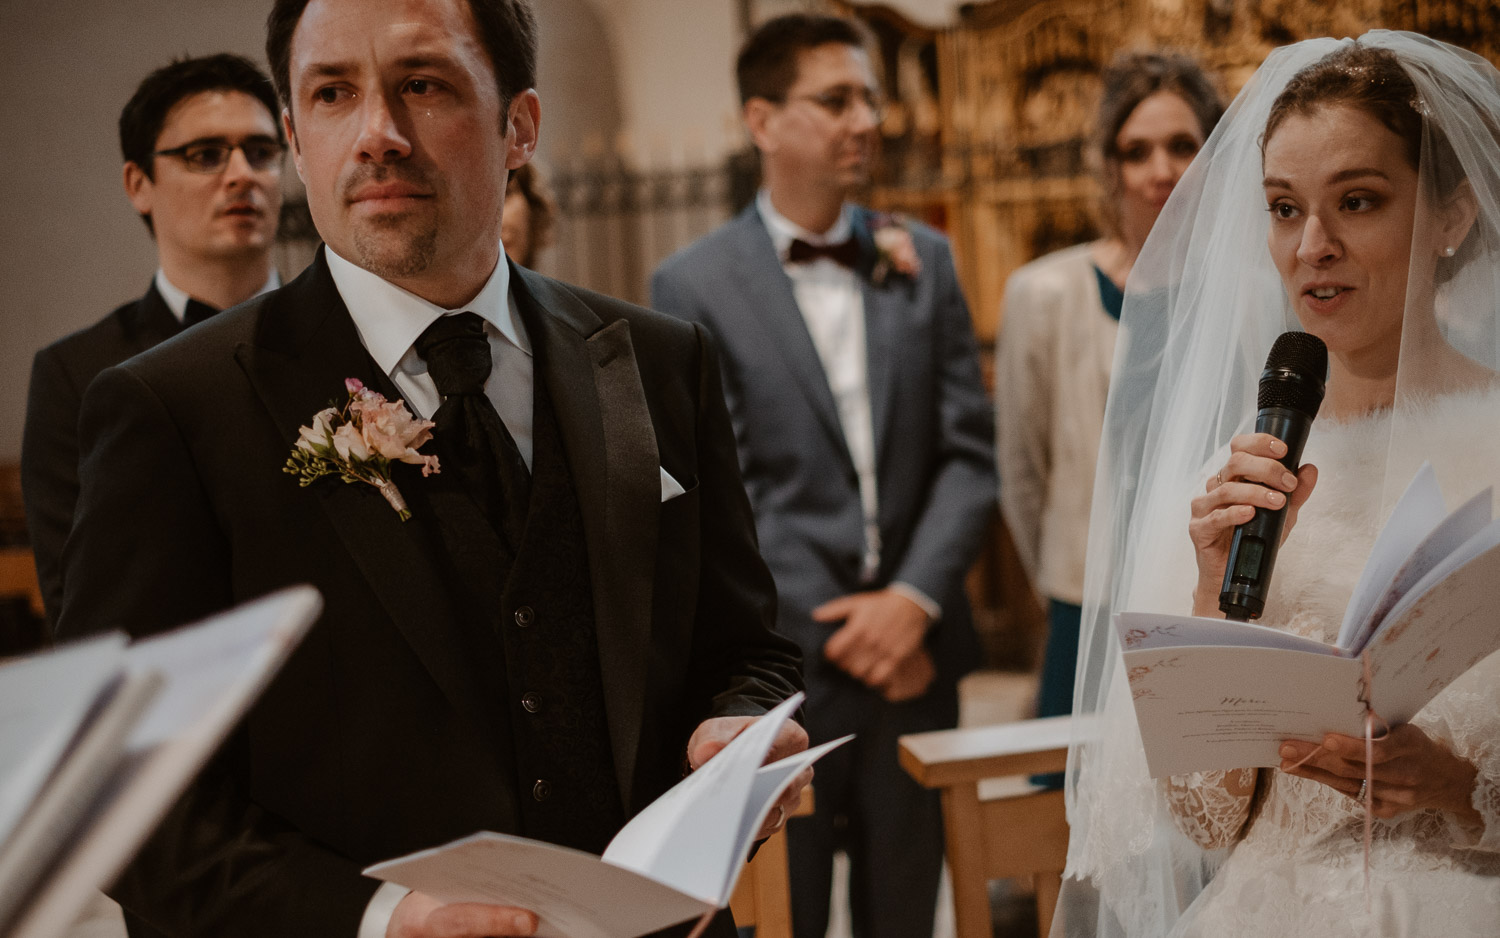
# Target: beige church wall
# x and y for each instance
(72, 248)
(577, 77)
(677, 78)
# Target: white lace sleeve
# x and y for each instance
(1485, 755)
(1487, 803)
(1211, 807)
(1466, 716)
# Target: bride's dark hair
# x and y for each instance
(1362, 77)
(1372, 80)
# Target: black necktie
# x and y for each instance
(844, 252)
(196, 312)
(468, 427)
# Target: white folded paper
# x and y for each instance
(676, 860)
(99, 738)
(1214, 694)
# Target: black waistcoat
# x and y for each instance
(528, 626)
(565, 772)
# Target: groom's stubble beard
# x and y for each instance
(394, 245)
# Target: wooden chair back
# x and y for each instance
(763, 896)
(997, 825)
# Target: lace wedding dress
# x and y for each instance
(1298, 866)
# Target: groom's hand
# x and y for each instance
(714, 734)
(418, 915)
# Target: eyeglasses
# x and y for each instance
(209, 158)
(839, 101)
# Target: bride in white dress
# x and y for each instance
(1353, 190)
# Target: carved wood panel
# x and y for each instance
(1015, 82)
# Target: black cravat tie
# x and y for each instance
(196, 312)
(844, 252)
(468, 427)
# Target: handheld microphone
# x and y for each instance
(1291, 390)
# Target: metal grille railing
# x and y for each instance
(615, 223)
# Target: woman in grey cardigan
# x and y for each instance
(1058, 334)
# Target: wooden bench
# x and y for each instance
(996, 826)
(763, 895)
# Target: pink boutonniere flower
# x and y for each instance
(896, 253)
(360, 441)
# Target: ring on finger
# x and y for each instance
(780, 815)
(1364, 786)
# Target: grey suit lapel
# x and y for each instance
(769, 302)
(885, 313)
(591, 372)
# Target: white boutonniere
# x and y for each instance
(359, 441)
(895, 251)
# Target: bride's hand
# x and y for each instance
(1411, 771)
(1252, 478)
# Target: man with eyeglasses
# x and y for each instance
(203, 154)
(852, 376)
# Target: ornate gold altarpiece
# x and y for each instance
(985, 135)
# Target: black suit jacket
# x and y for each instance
(375, 738)
(49, 445)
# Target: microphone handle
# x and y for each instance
(1252, 553)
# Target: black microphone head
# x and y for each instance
(1294, 373)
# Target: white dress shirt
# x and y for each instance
(389, 320)
(177, 298)
(833, 307)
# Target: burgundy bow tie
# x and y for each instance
(844, 252)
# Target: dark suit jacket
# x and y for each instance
(933, 429)
(49, 445)
(374, 739)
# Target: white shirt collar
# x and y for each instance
(177, 298)
(389, 319)
(783, 229)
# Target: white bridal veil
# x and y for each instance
(1203, 306)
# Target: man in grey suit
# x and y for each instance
(853, 383)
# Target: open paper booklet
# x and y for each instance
(1215, 694)
(676, 860)
(99, 737)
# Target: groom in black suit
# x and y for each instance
(203, 157)
(574, 613)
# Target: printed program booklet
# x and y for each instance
(1216, 694)
(676, 860)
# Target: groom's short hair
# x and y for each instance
(767, 64)
(507, 28)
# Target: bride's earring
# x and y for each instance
(1449, 251)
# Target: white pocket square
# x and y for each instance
(670, 487)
